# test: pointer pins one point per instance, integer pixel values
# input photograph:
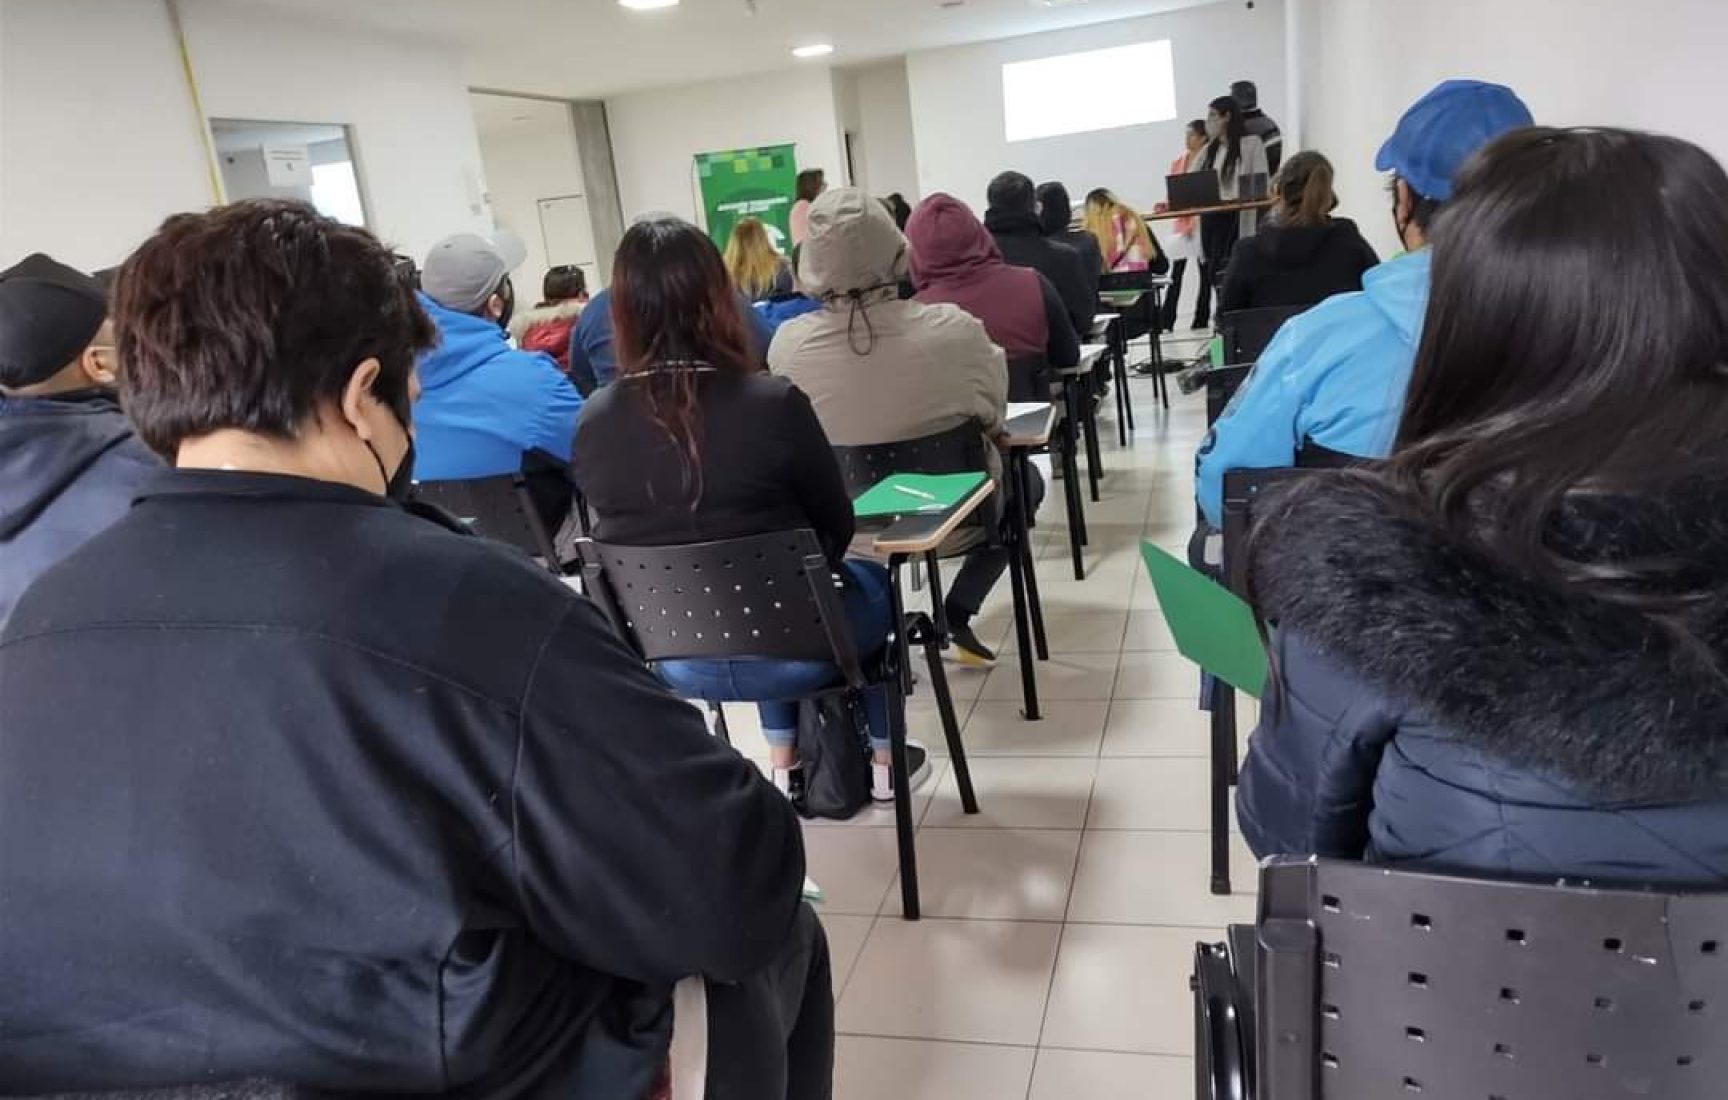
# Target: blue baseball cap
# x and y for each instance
(1445, 128)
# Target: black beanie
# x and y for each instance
(49, 313)
(1245, 93)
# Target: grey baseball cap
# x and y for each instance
(462, 271)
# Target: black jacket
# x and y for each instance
(1024, 244)
(69, 465)
(1091, 257)
(1296, 265)
(1442, 709)
(1260, 124)
(765, 466)
(295, 784)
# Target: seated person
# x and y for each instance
(719, 450)
(546, 327)
(1056, 215)
(594, 359)
(954, 260)
(882, 370)
(483, 405)
(1334, 377)
(1121, 236)
(1012, 218)
(1502, 651)
(69, 463)
(1302, 255)
(383, 809)
(757, 270)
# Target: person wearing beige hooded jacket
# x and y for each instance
(881, 370)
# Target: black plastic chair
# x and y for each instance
(770, 596)
(957, 450)
(1142, 320)
(1247, 332)
(1368, 983)
(513, 508)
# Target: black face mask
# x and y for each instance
(399, 485)
(507, 291)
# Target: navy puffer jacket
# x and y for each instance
(1440, 708)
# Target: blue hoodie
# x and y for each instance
(1335, 375)
(483, 403)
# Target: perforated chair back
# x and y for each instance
(1247, 332)
(1376, 983)
(771, 596)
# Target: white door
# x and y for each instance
(569, 236)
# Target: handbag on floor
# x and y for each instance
(835, 755)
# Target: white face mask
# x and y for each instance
(1214, 128)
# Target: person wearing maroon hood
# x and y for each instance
(955, 260)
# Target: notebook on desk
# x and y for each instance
(915, 494)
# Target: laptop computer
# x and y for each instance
(1192, 190)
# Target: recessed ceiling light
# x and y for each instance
(820, 49)
(647, 5)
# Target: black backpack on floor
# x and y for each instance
(835, 753)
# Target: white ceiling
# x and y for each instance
(593, 48)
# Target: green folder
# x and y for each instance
(1211, 625)
(915, 494)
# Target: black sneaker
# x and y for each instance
(917, 771)
(969, 649)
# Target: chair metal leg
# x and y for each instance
(895, 561)
(720, 728)
(939, 608)
(1071, 493)
(1017, 573)
(907, 839)
(1020, 462)
(1223, 721)
(950, 727)
(1124, 403)
(1158, 368)
(1094, 456)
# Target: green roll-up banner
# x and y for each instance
(749, 183)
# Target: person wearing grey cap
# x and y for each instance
(69, 461)
(485, 408)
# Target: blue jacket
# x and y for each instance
(69, 467)
(1335, 375)
(1443, 709)
(483, 403)
(594, 360)
(777, 311)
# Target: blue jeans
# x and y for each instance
(775, 686)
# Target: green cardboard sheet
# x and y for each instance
(915, 494)
(1211, 625)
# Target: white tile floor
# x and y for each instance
(1059, 923)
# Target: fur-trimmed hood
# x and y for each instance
(543, 314)
(1521, 668)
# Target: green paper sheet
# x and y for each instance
(914, 494)
(1211, 625)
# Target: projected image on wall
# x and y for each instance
(1080, 93)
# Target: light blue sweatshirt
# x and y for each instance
(1335, 375)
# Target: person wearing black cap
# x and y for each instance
(69, 462)
(1258, 122)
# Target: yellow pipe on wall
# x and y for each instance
(204, 139)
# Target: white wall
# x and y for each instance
(890, 160)
(656, 134)
(956, 102)
(523, 166)
(98, 141)
(1649, 65)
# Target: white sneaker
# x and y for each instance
(917, 771)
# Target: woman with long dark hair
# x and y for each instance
(693, 444)
(1240, 161)
(1302, 255)
(1506, 650)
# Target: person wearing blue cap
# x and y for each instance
(1332, 382)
